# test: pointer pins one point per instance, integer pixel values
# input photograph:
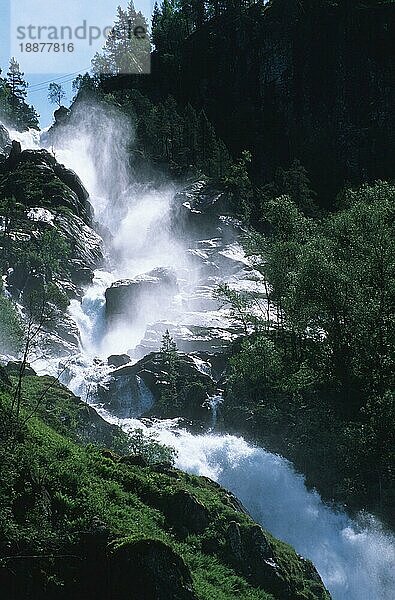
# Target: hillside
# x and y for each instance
(93, 520)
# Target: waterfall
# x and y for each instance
(355, 558)
(214, 402)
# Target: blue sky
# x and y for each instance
(41, 68)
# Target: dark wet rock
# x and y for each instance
(13, 367)
(216, 363)
(134, 460)
(5, 141)
(125, 394)
(197, 208)
(34, 282)
(118, 360)
(61, 115)
(36, 157)
(148, 570)
(86, 246)
(149, 291)
(185, 514)
(106, 453)
(136, 390)
(37, 179)
(196, 386)
(81, 274)
(14, 156)
(250, 551)
(71, 179)
(165, 468)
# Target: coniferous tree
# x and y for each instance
(14, 106)
(16, 83)
(56, 93)
(124, 52)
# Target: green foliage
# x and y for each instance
(169, 359)
(146, 445)
(56, 93)
(123, 51)
(11, 330)
(174, 20)
(239, 186)
(13, 107)
(240, 307)
(320, 379)
(295, 183)
(167, 134)
(257, 370)
(42, 255)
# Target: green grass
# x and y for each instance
(53, 488)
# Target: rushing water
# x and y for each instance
(354, 558)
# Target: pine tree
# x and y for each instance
(169, 358)
(156, 26)
(56, 93)
(168, 348)
(17, 110)
(191, 135)
(123, 51)
(16, 84)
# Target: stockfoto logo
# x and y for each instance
(49, 37)
(90, 33)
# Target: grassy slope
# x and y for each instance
(53, 488)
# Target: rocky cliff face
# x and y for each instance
(48, 238)
(310, 81)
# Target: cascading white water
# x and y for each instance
(355, 559)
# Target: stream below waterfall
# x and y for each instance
(355, 558)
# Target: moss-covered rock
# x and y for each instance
(147, 569)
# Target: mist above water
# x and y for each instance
(135, 220)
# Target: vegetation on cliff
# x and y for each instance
(14, 109)
(315, 380)
(94, 521)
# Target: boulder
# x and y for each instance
(71, 179)
(13, 367)
(118, 360)
(125, 394)
(61, 115)
(29, 170)
(199, 386)
(134, 460)
(185, 514)
(149, 569)
(197, 207)
(134, 390)
(150, 291)
(249, 550)
(15, 153)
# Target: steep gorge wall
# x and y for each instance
(287, 82)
